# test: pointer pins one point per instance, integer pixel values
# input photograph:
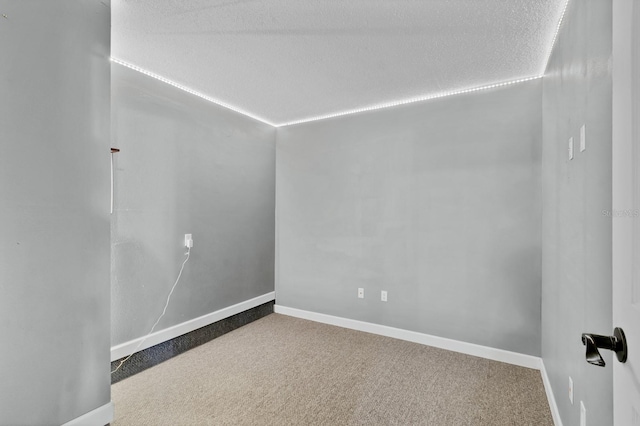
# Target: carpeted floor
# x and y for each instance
(281, 370)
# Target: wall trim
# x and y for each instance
(555, 412)
(494, 354)
(125, 349)
(98, 417)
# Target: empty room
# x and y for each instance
(389, 212)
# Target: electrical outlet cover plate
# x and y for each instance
(188, 240)
(571, 148)
(361, 293)
(571, 390)
(383, 296)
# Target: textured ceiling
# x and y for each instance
(288, 60)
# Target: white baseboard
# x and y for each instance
(412, 336)
(98, 417)
(127, 348)
(555, 413)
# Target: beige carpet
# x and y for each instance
(281, 370)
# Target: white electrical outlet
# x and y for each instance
(383, 296)
(188, 240)
(361, 293)
(571, 148)
(583, 138)
(571, 390)
(583, 414)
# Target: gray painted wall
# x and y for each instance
(186, 166)
(54, 187)
(438, 203)
(576, 250)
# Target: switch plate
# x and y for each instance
(583, 138)
(383, 296)
(571, 148)
(583, 414)
(188, 240)
(571, 390)
(361, 293)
